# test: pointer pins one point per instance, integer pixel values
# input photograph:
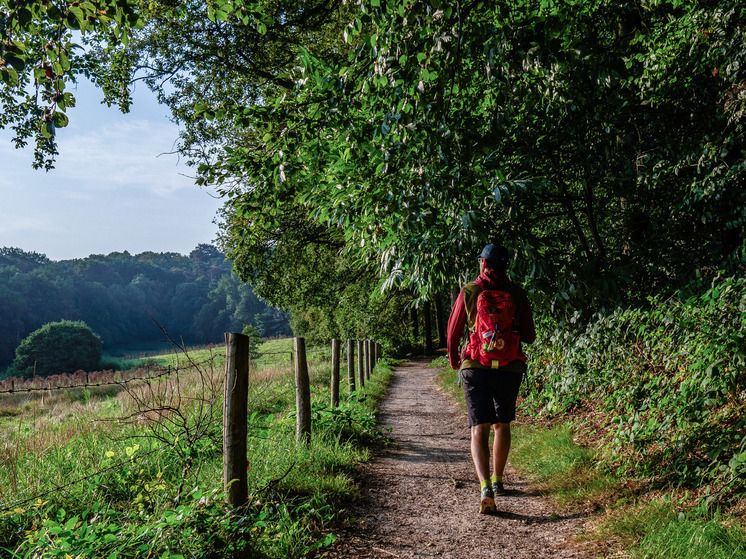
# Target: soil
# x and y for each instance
(420, 494)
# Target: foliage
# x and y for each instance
(39, 57)
(202, 524)
(124, 298)
(665, 383)
(136, 499)
(58, 348)
(592, 137)
(601, 141)
(254, 335)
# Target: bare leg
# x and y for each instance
(480, 450)
(501, 447)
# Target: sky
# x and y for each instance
(114, 188)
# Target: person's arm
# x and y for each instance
(455, 329)
(526, 323)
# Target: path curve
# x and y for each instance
(420, 494)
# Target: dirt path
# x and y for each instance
(420, 494)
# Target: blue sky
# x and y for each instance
(114, 188)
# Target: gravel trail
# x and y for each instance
(421, 495)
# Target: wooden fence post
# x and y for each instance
(440, 320)
(302, 393)
(360, 364)
(335, 373)
(351, 365)
(415, 325)
(235, 411)
(371, 361)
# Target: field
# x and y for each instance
(133, 467)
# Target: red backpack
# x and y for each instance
(494, 342)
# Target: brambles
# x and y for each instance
(665, 383)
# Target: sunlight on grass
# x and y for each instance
(126, 453)
(657, 530)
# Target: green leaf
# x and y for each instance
(79, 15)
(47, 129)
(59, 119)
(9, 76)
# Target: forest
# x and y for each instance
(366, 151)
(133, 302)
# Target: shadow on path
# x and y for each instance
(420, 497)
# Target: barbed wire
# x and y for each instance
(165, 372)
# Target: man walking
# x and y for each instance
(492, 364)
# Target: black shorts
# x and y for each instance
(490, 395)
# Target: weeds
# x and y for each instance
(140, 473)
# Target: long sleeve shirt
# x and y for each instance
(465, 310)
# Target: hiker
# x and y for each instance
(492, 363)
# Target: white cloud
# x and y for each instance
(123, 155)
(111, 189)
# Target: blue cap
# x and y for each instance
(496, 255)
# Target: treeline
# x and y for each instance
(126, 298)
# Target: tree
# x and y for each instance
(122, 297)
(58, 348)
(39, 57)
(601, 141)
(596, 140)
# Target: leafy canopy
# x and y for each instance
(602, 142)
(40, 56)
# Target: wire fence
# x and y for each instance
(74, 381)
(70, 382)
(15, 388)
(82, 380)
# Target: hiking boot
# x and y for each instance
(487, 504)
(498, 490)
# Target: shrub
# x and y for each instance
(665, 384)
(58, 348)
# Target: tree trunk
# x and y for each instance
(428, 329)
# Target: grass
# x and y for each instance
(624, 519)
(145, 464)
(171, 358)
(663, 528)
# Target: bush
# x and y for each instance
(58, 348)
(665, 384)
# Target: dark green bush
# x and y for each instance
(58, 348)
(666, 384)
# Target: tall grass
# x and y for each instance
(138, 471)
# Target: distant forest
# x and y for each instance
(195, 298)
